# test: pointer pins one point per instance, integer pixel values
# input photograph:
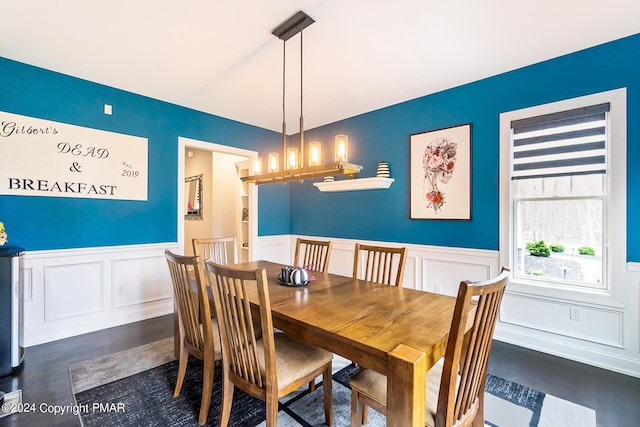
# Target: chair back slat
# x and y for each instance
(467, 353)
(232, 290)
(312, 254)
(192, 301)
(380, 264)
(220, 250)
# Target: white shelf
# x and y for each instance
(374, 183)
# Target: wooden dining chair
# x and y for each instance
(221, 250)
(455, 385)
(266, 367)
(381, 264)
(312, 254)
(199, 335)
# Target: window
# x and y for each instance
(562, 193)
(559, 174)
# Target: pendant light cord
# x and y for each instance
(301, 154)
(284, 124)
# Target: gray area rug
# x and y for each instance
(135, 387)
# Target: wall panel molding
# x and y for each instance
(75, 291)
(133, 287)
(593, 325)
(606, 336)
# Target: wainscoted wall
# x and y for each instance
(604, 336)
(599, 335)
(72, 292)
(428, 268)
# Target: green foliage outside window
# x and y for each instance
(586, 250)
(539, 249)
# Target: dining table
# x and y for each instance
(396, 331)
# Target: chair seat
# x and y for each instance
(294, 359)
(217, 346)
(374, 386)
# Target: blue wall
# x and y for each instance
(384, 135)
(298, 208)
(53, 223)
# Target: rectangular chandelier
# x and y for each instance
(290, 164)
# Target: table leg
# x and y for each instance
(406, 387)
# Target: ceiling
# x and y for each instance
(360, 55)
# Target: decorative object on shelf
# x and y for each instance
(441, 173)
(245, 214)
(293, 166)
(383, 170)
(375, 183)
(3, 234)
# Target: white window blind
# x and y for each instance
(571, 142)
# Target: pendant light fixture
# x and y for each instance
(291, 163)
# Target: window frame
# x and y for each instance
(614, 259)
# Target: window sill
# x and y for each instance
(565, 293)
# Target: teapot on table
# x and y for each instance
(293, 276)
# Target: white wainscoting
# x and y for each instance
(75, 291)
(71, 292)
(604, 336)
(428, 268)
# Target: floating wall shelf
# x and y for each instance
(374, 183)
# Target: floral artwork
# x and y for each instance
(439, 162)
(3, 234)
(441, 174)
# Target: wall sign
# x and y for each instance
(44, 158)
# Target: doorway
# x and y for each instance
(223, 196)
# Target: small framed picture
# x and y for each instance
(440, 165)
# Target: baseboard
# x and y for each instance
(56, 333)
(557, 346)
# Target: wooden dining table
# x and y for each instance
(393, 330)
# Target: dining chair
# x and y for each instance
(455, 385)
(221, 250)
(267, 367)
(312, 254)
(199, 334)
(381, 264)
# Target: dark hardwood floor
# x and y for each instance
(44, 376)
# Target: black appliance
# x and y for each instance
(11, 309)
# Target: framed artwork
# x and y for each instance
(440, 165)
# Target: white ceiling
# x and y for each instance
(219, 56)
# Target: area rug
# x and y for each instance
(135, 387)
